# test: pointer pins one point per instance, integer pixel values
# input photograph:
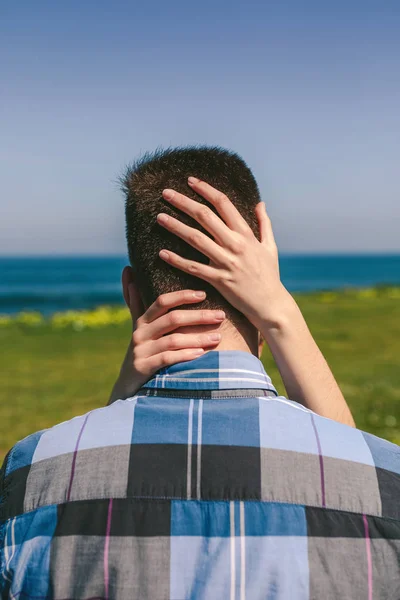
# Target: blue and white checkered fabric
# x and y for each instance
(205, 485)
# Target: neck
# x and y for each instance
(233, 338)
(244, 338)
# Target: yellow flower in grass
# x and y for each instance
(64, 319)
(31, 319)
(394, 293)
(91, 319)
(367, 294)
(328, 297)
(5, 321)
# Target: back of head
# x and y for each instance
(143, 184)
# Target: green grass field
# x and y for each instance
(50, 374)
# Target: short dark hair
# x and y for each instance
(143, 183)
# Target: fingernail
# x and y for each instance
(198, 351)
(162, 217)
(214, 337)
(199, 294)
(220, 315)
(168, 194)
(163, 254)
(192, 180)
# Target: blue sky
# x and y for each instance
(307, 92)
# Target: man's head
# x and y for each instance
(143, 184)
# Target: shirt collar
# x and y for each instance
(215, 370)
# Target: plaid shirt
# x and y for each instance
(205, 485)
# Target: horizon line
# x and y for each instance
(366, 253)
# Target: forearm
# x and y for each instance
(304, 370)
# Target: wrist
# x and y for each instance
(278, 314)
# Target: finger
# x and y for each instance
(167, 301)
(194, 238)
(178, 341)
(202, 214)
(264, 223)
(192, 267)
(167, 358)
(174, 320)
(226, 209)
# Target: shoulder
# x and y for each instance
(292, 427)
(20, 455)
(39, 470)
(100, 427)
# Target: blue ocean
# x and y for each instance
(61, 283)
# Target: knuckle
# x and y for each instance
(195, 238)
(221, 198)
(139, 365)
(175, 318)
(136, 337)
(174, 341)
(230, 279)
(233, 262)
(248, 232)
(238, 246)
(165, 357)
(167, 342)
(162, 301)
(204, 213)
(222, 278)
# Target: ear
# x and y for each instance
(131, 294)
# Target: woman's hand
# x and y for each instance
(155, 344)
(244, 270)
